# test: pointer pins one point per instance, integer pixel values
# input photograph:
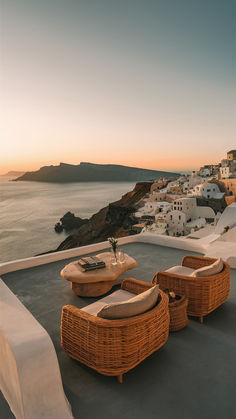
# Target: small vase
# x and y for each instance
(114, 257)
(121, 257)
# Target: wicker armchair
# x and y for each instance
(204, 294)
(113, 347)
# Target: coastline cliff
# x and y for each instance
(114, 220)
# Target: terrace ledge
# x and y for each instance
(174, 242)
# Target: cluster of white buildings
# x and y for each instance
(175, 218)
(228, 166)
(207, 190)
(173, 208)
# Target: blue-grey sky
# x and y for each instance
(142, 83)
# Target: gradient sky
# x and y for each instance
(141, 83)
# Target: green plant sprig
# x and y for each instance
(113, 242)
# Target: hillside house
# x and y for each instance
(176, 223)
(207, 190)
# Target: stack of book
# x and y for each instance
(89, 263)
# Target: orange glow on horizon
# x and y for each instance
(135, 86)
(178, 163)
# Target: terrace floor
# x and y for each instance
(191, 377)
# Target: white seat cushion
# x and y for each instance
(115, 297)
(181, 270)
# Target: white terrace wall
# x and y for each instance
(228, 218)
(30, 378)
(16, 265)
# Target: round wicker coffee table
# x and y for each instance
(96, 282)
(178, 314)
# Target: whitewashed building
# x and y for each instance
(207, 190)
(158, 196)
(163, 196)
(153, 207)
(185, 204)
(191, 181)
(161, 223)
(192, 212)
(205, 172)
(227, 169)
(196, 224)
(176, 223)
(228, 166)
(164, 209)
(194, 180)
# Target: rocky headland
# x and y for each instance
(114, 220)
(89, 172)
(70, 222)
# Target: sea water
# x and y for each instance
(29, 211)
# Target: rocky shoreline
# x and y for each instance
(69, 222)
(116, 220)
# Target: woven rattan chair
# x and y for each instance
(113, 347)
(204, 294)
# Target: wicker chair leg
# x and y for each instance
(120, 378)
(201, 319)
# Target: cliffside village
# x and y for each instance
(192, 204)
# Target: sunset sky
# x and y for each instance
(140, 83)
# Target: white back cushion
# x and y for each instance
(209, 270)
(136, 305)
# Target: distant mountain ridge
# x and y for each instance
(90, 172)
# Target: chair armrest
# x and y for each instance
(76, 313)
(135, 286)
(195, 262)
(73, 317)
(177, 283)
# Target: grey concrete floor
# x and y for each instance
(191, 377)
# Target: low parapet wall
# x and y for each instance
(161, 240)
(16, 265)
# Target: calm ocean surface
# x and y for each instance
(29, 211)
